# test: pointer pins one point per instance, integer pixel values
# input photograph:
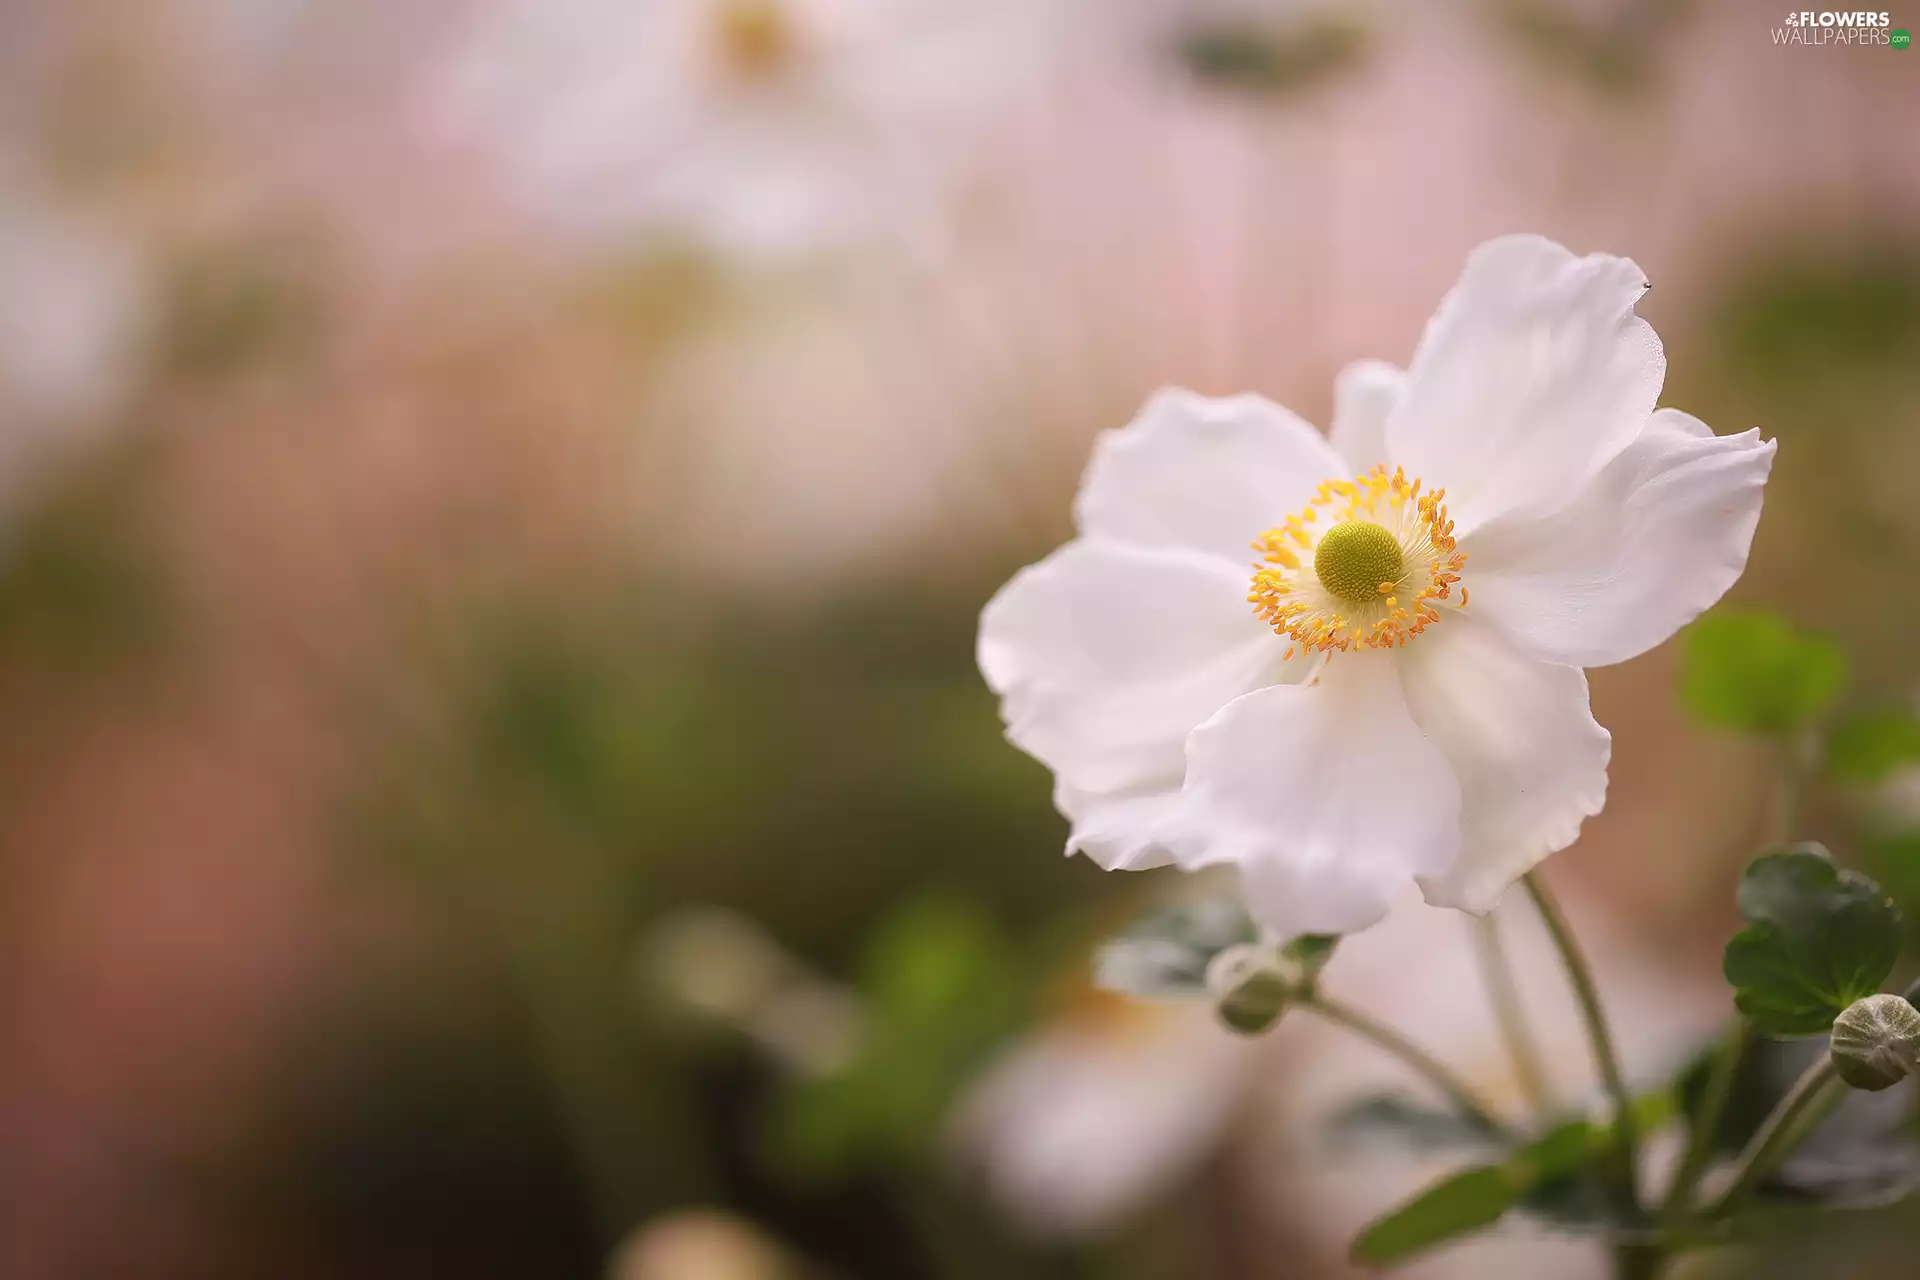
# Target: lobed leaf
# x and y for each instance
(1818, 938)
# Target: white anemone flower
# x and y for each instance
(1392, 691)
(1093, 1117)
(769, 128)
(74, 318)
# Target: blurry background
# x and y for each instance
(495, 497)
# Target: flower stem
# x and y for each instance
(1608, 1061)
(1638, 1261)
(1783, 817)
(1386, 1038)
(1813, 1094)
(1498, 974)
(1724, 1070)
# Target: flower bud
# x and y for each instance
(1876, 1042)
(1249, 987)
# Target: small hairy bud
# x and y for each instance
(1249, 988)
(1876, 1042)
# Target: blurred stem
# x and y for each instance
(1783, 820)
(1713, 1108)
(1387, 1039)
(1497, 971)
(1796, 751)
(561, 940)
(1605, 1057)
(586, 1088)
(1817, 1091)
(1638, 1261)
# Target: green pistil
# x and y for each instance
(1355, 557)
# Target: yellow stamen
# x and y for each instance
(755, 38)
(1383, 536)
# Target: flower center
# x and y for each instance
(1381, 551)
(755, 37)
(1355, 557)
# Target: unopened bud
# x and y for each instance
(1876, 1042)
(1250, 987)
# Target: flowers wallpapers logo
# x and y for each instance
(1838, 27)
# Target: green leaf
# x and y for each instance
(1818, 938)
(1868, 745)
(1866, 1155)
(1893, 857)
(1457, 1205)
(941, 988)
(1273, 60)
(1752, 671)
(1767, 1070)
(1390, 1122)
(1564, 1175)
(1863, 1156)
(1166, 952)
(1572, 1177)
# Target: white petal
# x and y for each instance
(1207, 474)
(1657, 538)
(1531, 761)
(1079, 1126)
(1134, 829)
(1364, 396)
(1327, 797)
(1533, 375)
(1108, 655)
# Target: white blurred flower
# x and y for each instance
(721, 965)
(1361, 727)
(1091, 1118)
(768, 127)
(700, 1244)
(73, 319)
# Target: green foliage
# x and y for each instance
(1817, 939)
(1767, 1070)
(1894, 859)
(1273, 60)
(1562, 1175)
(79, 588)
(1574, 1181)
(1393, 1123)
(1457, 1205)
(1870, 744)
(1863, 1156)
(1170, 953)
(941, 989)
(1165, 953)
(1617, 56)
(235, 306)
(1752, 671)
(1308, 954)
(1812, 325)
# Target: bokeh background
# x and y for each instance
(495, 497)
